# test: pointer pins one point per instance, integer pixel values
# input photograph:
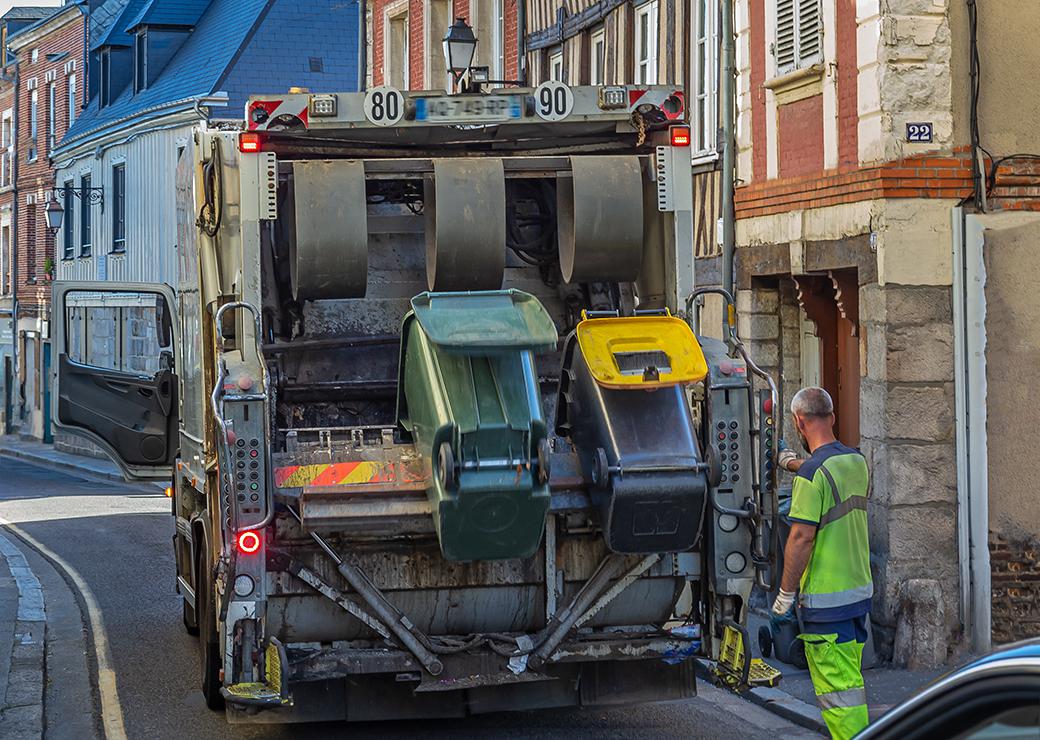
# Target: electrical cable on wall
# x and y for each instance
(983, 183)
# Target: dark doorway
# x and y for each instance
(831, 301)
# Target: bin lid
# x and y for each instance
(641, 351)
(485, 321)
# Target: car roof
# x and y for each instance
(1015, 658)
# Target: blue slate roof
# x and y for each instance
(102, 18)
(26, 13)
(243, 47)
(25, 23)
(159, 13)
(116, 34)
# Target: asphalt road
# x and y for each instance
(118, 538)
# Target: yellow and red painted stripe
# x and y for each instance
(343, 473)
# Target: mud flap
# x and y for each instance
(273, 691)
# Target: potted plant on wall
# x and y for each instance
(48, 269)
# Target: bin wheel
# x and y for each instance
(446, 464)
(797, 655)
(544, 460)
(600, 468)
(714, 467)
(765, 641)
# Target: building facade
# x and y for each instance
(610, 42)
(48, 90)
(158, 68)
(856, 152)
(404, 40)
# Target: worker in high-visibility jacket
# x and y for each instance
(827, 562)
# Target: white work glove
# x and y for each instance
(785, 456)
(784, 602)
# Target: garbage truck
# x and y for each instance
(441, 432)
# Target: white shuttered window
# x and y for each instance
(798, 34)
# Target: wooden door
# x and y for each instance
(831, 302)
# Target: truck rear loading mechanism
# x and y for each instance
(442, 436)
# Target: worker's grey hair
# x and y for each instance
(814, 402)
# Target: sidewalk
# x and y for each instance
(22, 644)
(39, 453)
(795, 700)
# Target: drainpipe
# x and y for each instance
(727, 143)
(362, 83)
(521, 41)
(969, 319)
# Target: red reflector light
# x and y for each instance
(680, 135)
(248, 542)
(250, 143)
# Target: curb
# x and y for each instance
(778, 702)
(784, 705)
(46, 461)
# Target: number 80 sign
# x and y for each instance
(384, 106)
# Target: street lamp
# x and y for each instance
(459, 47)
(55, 211)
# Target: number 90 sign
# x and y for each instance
(553, 101)
(384, 106)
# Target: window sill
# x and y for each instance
(797, 84)
(67, 259)
(705, 158)
(117, 252)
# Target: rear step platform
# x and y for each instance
(377, 490)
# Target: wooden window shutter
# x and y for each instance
(809, 32)
(785, 51)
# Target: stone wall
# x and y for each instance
(907, 428)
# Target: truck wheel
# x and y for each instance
(209, 644)
(191, 622)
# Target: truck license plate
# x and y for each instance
(458, 109)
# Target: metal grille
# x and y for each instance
(637, 363)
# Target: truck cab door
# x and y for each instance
(115, 380)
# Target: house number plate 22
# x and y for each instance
(919, 133)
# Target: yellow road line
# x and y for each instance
(111, 710)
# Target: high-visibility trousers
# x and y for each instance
(835, 664)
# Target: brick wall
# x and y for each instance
(35, 242)
(1015, 568)
(925, 176)
(758, 93)
(848, 80)
(800, 134)
(1016, 185)
(417, 39)
(7, 193)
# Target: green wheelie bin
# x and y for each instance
(468, 399)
